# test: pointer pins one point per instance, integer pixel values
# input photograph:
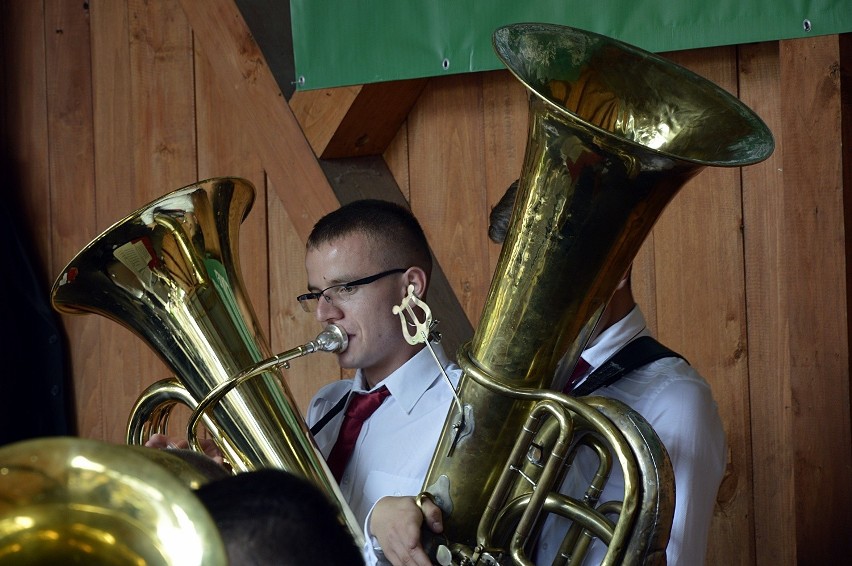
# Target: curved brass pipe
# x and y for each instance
(333, 340)
(560, 405)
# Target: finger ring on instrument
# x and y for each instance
(421, 496)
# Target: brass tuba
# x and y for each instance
(169, 272)
(614, 133)
(70, 500)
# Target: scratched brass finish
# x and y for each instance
(614, 132)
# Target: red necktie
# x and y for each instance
(361, 406)
(579, 371)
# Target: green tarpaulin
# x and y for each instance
(345, 42)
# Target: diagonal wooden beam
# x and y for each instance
(321, 112)
(269, 22)
(357, 120)
(224, 37)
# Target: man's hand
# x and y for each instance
(163, 441)
(396, 523)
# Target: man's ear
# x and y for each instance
(417, 277)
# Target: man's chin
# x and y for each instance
(345, 361)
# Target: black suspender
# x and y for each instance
(320, 424)
(633, 355)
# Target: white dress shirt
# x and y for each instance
(395, 445)
(678, 404)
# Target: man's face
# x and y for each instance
(376, 342)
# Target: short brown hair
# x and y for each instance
(392, 229)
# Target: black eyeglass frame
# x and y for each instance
(305, 299)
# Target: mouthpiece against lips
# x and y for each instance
(332, 339)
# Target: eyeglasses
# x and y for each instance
(338, 294)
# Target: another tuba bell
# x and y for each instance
(70, 500)
(614, 133)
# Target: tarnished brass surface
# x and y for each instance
(614, 133)
(77, 501)
(170, 273)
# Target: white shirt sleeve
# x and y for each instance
(686, 420)
(372, 550)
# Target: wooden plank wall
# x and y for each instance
(110, 104)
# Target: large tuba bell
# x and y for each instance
(170, 273)
(614, 133)
(70, 500)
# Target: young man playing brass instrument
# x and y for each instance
(363, 260)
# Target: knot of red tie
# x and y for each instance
(361, 406)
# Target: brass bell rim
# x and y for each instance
(760, 136)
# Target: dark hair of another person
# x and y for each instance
(391, 228)
(498, 220)
(272, 517)
(200, 462)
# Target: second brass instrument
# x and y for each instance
(614, 132)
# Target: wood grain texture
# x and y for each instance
(447, 175)
(255, 97)
(114, 119)
(771, 419)
(355, 121)
(815, 270)
(374, 118)
(72, 187)
(291, 326)
(225, 150)
(396, 158)
(164, 152)
(505, 125)
(25, 137)
(320, 112)
(701, 308)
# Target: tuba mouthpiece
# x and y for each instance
(332, 339)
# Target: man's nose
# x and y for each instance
(326, 311)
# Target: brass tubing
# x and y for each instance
(614, 133)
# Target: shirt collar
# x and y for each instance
(412, 379)
(615, 337)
